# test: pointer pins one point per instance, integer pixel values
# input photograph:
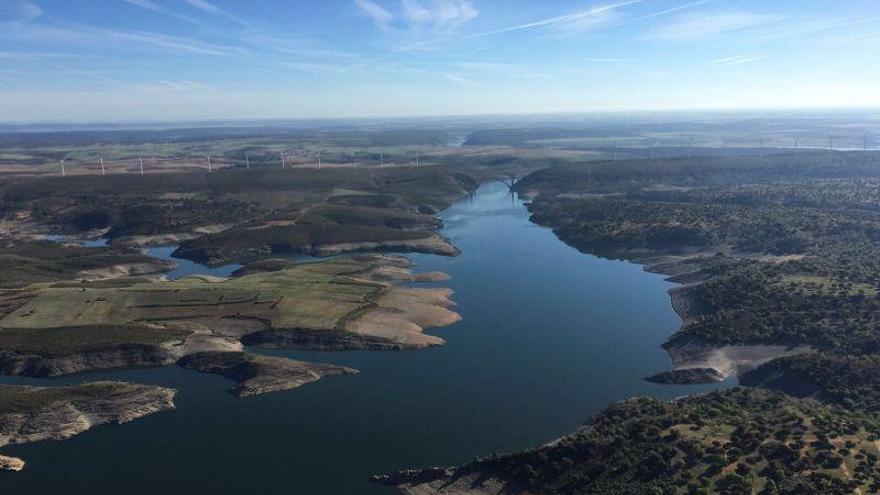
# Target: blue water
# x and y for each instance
(186, 268)
(549, 337)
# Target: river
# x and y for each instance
(549, 337)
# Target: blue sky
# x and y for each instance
(123, 60)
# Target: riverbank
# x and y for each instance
(34, 414)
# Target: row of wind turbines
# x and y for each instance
(247, 160)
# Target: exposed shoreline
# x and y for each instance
(63, 412)
(694, 360)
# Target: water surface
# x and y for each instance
(550, 336)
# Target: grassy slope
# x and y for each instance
(313, 296)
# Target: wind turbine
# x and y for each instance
(209, 162)
(381, 160)
(102, 165)
(417, 158)
(142, 165)
(247, 161)
(63, 171)
(283, 161)
(319, 160)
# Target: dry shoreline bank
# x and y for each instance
(694, 360)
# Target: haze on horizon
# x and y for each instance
(125, 60)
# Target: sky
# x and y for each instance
(166, 60)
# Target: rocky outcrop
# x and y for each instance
(306, 339)
(258, 374)
(110, 356)
(433, 244)
(11, 463)
(31, 414)
(116, 356)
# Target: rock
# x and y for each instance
(687, 376)
(11, 463)
(32, 414)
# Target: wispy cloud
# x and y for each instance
(573, 19)
(814, 26)
(418, 15)
(707, 25)
(381, 16)
(668, 11)
(107, 38)
(441, 14)
(212, 9)
(154, 7)
(579, 20)
(738, 60)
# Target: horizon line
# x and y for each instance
(197, 121)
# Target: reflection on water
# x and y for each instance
(549, 337)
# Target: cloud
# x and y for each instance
(813, 26)
(579, 20)
(440, 13)
(582, 17)
(212, 9)
(381, 16)
(151, 6)
(668, 11)
(738, 60)
(415, 18)
(708, 25)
